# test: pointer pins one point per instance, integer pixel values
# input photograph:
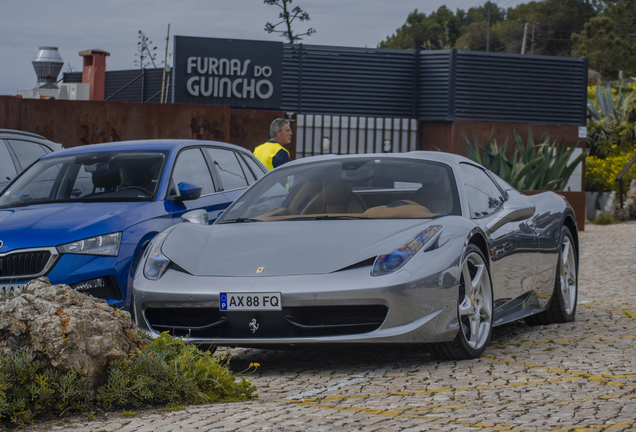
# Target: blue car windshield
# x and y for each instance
(350, 188)
(88, 177)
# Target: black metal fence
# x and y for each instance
(425, 85)
(329, 134)
(135, 85)
(434, 85)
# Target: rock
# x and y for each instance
(66, 329)
(610, 204)
(630, 202)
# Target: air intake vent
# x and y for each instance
(291, 322)
(24, 264)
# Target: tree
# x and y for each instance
(551, 22)
(623, 15)
(441, 29)
(145, 52)
(599, 42)
(287, 18)
(420, 32)
(474, 37)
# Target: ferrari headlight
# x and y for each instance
(106, 245)
(394, 260)
(156, 263)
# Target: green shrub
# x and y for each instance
(541, 166)
(29, 389)
(605, 219)
(600, 174)
(171, 370)
(167, 371)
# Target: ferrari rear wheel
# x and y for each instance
(562, 307)
(474, 310)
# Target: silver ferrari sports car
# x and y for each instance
(421, 247)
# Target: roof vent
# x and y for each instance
(47, 64)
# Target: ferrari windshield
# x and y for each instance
(89, 177)
(350, 188)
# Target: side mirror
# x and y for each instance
(187, 191)
(511, 212)
(196, 216)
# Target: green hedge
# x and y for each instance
(167, 371)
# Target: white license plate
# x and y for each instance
(250, 301)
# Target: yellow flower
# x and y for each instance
(255, 364)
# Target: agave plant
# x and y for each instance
(612, 126)
(541, 166)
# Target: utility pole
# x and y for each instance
(523, 44)
(165, 65)
(532, 44)
(488, 30)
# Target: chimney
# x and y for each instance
(94, 72)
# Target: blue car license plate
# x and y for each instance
(250, 301)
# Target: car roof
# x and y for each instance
(145, 145)
(17, 134)
(436, 156)
(13, 132)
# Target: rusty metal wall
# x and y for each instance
(449, 136)
(75, 123)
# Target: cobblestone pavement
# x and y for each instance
(572, 377)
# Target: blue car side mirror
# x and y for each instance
(187, 191)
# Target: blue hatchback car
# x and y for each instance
(84, 215)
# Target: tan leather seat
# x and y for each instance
(336, 197)
(436, 197)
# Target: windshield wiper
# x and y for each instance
(327, 217)
(242, 219)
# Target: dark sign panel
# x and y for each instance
(238, 73)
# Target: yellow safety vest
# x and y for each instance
(266, 152)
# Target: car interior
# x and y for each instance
(375, 189)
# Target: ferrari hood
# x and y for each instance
(286, 247)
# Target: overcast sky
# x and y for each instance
(112, 25)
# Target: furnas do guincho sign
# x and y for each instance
(238, 73)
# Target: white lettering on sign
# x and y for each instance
(270, 90)
(213, 79)
(193, 88)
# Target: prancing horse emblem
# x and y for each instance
(254, 325)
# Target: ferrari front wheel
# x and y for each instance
(474, 310)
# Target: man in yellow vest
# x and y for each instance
(272, 153)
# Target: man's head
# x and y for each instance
(280, 131)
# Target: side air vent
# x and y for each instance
(366, 263)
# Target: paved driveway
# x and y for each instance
(571, 377)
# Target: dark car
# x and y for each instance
(18, 150)
(83, 216)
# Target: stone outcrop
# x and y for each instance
(630, 199)
(66, 329)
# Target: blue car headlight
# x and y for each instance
(105, 245)
(156, 262)
(394, 260)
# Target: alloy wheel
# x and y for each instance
(475, 308)
(568, 275)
